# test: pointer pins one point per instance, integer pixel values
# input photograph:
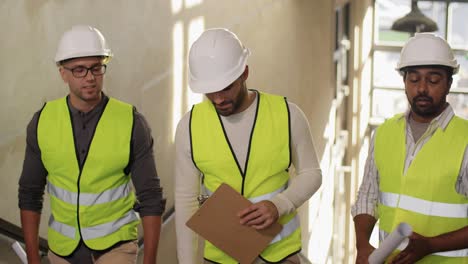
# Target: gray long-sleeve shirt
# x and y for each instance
(141, 166)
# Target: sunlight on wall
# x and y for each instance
(192, 3)
(354, 184)
(361, 98)
(362, 157)
(322, 212)
(356, 48)
(183, 98)
(177, 73)
(365, 98)
(354, 134)
(352, 196)
(366, 35)
(363, 153)
(196, 27)
(328, 202)
(176, 6)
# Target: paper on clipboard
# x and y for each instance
(217, 222)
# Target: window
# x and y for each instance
(388, 97)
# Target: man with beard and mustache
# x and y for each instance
(247, 139)
(417, 168)
(87, 147)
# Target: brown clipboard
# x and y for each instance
(217, 221)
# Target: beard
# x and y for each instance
(235, 103)
(430, 109)
(234, 106)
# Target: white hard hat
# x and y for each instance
(82, 41)
(427, 49)
(216, 59)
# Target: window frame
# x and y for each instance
(395, 47)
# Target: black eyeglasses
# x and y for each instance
(81, 71)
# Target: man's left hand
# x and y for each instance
(418, 247)
(259, 215)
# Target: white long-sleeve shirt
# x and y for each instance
(368, 194)
(301, 187)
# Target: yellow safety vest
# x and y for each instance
(265, 173)
(94, 204)
(425, 196)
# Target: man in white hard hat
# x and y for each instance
(87, 147)
(247, 139)
(417, 168)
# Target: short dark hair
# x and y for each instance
(448, 70)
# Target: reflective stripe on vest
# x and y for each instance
(428, 201)
(256, 199)
(451, 254)
(423, 206)
(289, 227)
(66, 230)
(93, 231)
(94, 199)
(267, 196)
(265, 170)
(89, 198)
(287, 230)
(424, 195)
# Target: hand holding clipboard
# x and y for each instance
(217, 222)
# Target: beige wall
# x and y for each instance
(291, 43)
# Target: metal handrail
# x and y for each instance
(14, 232)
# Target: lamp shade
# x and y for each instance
(414, 21)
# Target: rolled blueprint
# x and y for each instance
(402, 231)
(20, 252)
